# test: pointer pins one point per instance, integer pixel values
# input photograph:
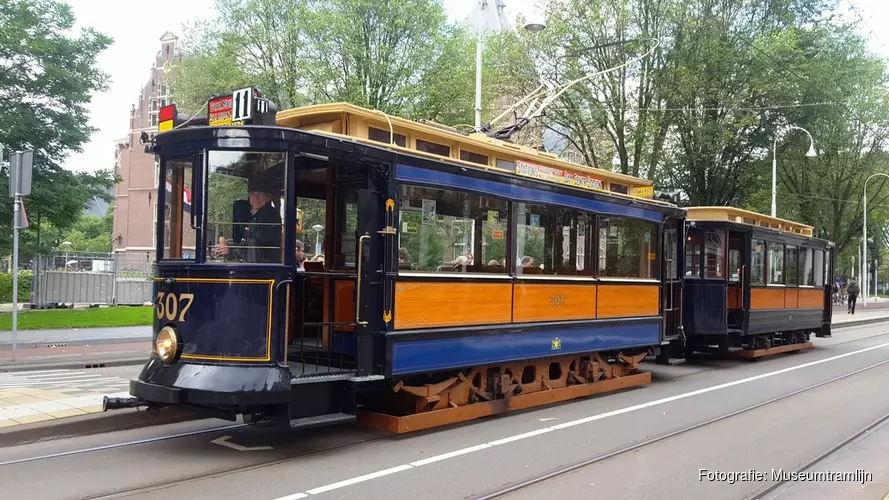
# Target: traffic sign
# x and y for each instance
(21, 164)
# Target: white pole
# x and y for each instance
(479, 49)
(774, 173)
(15, 272)
(864, 248)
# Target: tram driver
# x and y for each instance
(256, 230)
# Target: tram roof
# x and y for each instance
(741, 216)
(474, 150)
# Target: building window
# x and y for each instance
(452, 231)
(627, 248)
(380, 135)
(551, 240)
(757, 263)
(776, 263)
(431, 147)
(153, 120)
(153, 106)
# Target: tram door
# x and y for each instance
(337, 284)
(671, 296)
(738, 292)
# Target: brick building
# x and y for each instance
(135, 197)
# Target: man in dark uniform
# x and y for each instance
(256, 232)
(263, 229)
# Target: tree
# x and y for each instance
(46, 80)
(399, 56)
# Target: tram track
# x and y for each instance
(581, 464)
(126, 492)
(808, 465)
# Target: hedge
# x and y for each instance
(25, 278)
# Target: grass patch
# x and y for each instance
(98, 317)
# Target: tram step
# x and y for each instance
(321, 420)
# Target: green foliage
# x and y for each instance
(399, 56)
(24, 294)
(47, 77)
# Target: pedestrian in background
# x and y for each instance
(853, 295)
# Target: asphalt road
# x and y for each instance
(478, 457)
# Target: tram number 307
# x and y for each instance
(168, 305)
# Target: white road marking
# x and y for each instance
(359, 479)
(483, 446)
(445, 456)
(224, 441)
(547, 419)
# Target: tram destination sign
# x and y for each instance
(243, 107)
(558, 176)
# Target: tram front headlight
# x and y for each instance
(167, 344)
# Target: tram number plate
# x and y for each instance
(557, 300)
(168, 305)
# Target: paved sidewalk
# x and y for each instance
(861, 314)
(36, 396)
(69, 335)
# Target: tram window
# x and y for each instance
(693, 253)
(791, 265)
(431, 147)
(734, 264)
(245, 207)
(619, 188)
(776, 263)
(179, 236)
(757, 263)
(714, 254)
(550, 240)
(507, 165)
(806, 268)
(671, 250)
(452, 231)
(473, 157)
(819, 267)
(313, 213)
(380, 135)
(627, 248)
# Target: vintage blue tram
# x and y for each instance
(451, 276)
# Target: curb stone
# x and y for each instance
(95, 423)
(73, 365)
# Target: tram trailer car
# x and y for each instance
(451, 276)
(754, 285)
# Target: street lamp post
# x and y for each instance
(809, 154)
(317, 228)
(865, 275)
(483, 19)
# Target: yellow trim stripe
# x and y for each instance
(268, 344)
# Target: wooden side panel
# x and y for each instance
(553, 302)
(440, 304)
(621, 301)
(791, 298)
(344, 304)
(766, 298)
(733, 298)
(809, 298)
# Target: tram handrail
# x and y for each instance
(358, 283)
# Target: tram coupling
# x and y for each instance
(120, 403)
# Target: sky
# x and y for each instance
(128, 60)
